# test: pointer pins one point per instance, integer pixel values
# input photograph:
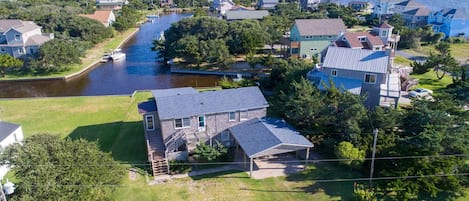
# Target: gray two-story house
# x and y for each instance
(21, 38)
(359, 71)
(180, 118)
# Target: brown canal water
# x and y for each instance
(139, 71)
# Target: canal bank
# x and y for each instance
(92, 54)
(138, 71)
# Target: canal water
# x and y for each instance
(138, 71)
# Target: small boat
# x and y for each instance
(161, 36)
(117, 54)
(106, 58)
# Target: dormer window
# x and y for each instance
(17, 37)
(362, 39)
(384, 33)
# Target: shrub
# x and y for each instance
(207, 153)
(345, 150)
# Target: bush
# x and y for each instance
(345, 150)
(207, 153)
(360, 193)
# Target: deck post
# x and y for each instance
(244, 159)
(307, 157)
(250, 167)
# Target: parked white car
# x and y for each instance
(420, 92)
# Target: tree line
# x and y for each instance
(341, 126)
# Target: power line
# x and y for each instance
(289, 161)
(313, 180)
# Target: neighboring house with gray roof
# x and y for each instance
(245, 14)
(21, 38)
(359, 71)
(311, 37)
(9, 133)
(452, 22)
(178, 119)
(267, 4)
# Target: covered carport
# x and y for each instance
(267, 136)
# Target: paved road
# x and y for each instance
(410, 56)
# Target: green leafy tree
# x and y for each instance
(345, 150)
(49, 168)
(204, 152)
(56, 53)
(126, 18)
(8, 62)
(245, 36)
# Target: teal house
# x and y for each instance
(311, 37)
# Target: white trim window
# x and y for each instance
(2, 49)
(370, 78)
(334, 73)
(150, 122)
(243, 115)
(232, 116)
(21, 50)
(182, 123)
(201, 122)
(17, 37)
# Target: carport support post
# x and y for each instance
(244, 159)
(307, 157)
(250, 167)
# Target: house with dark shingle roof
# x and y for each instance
(21, 38)
(9, 133)
(451, 22)
(311, 37)
(359, 71)
(178, 119)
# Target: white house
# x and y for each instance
(9, 134)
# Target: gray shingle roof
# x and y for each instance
(173, 92)
(418, 12)
(5, 25)
(6, 129)
(317, 27)
(259, 137)
(18, 25)
(172, 106)
(37, 40)
(356, 59)
(456, 13)
(246, 14)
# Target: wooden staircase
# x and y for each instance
(156, 153)
(159, 165)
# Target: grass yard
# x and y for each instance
(92, 55)
(460, 51)
(402, 61)
(112, 120)
(429, 80)
(238, 186)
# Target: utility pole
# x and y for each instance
(375, 133)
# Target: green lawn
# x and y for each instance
(460, 51)
(92, 55)
(429, 80)
(112, 120)
(238, 186)
(402, 61)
